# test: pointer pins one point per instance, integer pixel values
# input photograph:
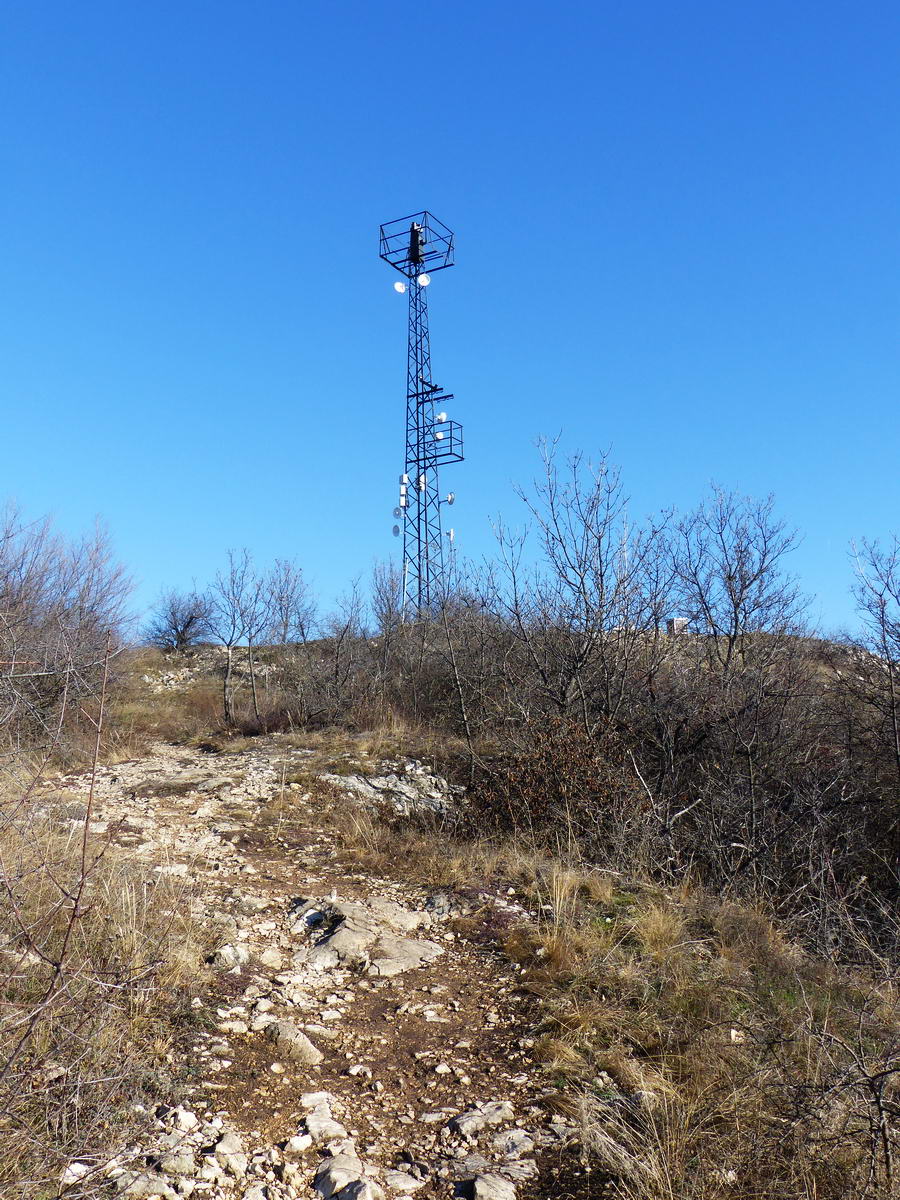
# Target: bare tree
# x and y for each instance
(588, 616)
(729, 565)
(254, 603)
(180, 620)
(58, 601)
(876, 674)
(227, 618)
(291, 605)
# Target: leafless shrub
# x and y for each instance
(58, 600)
(179, 620)
(291, 606)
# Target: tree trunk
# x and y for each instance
(226, 689)
(253, 679)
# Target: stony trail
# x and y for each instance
(349, 1042)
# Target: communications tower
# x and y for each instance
(417, 246)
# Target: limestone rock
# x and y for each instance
(298, 1144)
(361, 1189)
(492, 1187)
(147, 1185)
(321, 1125)
(179, 1162)
(366, 935)
(336, 1173)
(230, 1154)
(73, 1174)
(470, 1123)
(513, 1142)
(518, 1169)
(293, 1043)
(400, 1181)
(229, 956)
(393, 955)
(410, 787)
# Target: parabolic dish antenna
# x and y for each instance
(396, 531)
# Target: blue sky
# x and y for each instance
(677, 238)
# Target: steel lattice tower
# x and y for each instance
(416, 246)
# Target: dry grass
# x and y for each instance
(705, 1054)
(93, 983)
(743, 1067)
(137, 719)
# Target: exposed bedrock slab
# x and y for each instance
(368, 935)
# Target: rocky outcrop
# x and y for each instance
(367, 936)
(407, 787)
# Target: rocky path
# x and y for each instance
(349, 1043)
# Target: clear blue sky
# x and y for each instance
(677, 230)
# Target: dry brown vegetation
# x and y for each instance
(706, 1054)
(94, 963)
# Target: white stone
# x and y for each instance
(298, 1144)
(399, 1181)
(230, 1154)
(492, 1187)
(294, 1043)
(513, 1142)
(147, 1185)
(322, 1127)
(229, 956)
(74, 1172)
(334, 1174)
(496, 1112)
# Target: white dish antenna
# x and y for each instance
(451, 496)
(441, 417)
(438, 437)
(398, 512)
(399, 287)
(423, 280)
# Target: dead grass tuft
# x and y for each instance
(660, 929)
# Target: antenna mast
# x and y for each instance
(417, 246)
